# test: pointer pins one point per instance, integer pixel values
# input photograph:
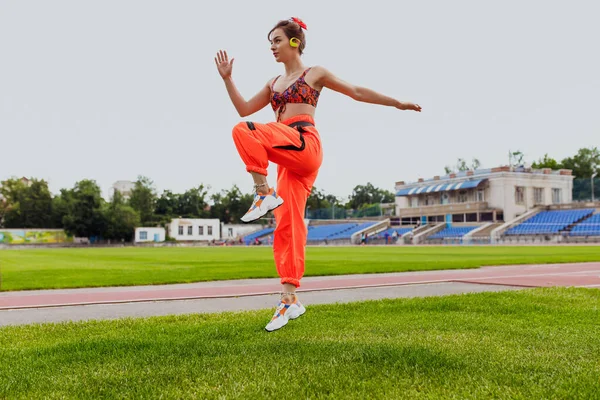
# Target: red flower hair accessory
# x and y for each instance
(299, 22)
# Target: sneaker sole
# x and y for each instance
(260, 216)
(276, 329)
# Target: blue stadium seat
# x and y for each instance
(452, 232)
(390, 231)
(336, 231)
(589, 227)
(549, 222)
(250, 238)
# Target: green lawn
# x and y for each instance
(68, 268)
(530, 344)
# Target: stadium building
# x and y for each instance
(486, 195)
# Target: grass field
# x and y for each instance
(530, 344)
(69, 268)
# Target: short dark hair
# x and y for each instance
(291, 29)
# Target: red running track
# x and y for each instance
(578, 275)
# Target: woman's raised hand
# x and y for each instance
(224, 66)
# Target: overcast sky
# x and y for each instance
(109, 90)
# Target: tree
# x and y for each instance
(230, 205)
(60, 207)
(166, 207)
(585, 163)
(3, 210)
(85, 217)
(13, 191)
(192, 203)
(321, 205)
(121, 219)
(368, 194)
(546, 162)
(167, 204)
(37, 207)
(28, 205)
(143, 200)
(317, 199)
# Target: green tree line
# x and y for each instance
(82, 211)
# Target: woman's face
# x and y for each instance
(280, 46)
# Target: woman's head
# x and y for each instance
(281, 34)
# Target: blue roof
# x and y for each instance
(469, 184)
(403, 192)
(439, 187)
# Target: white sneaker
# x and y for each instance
(262, 204)
(284, 313)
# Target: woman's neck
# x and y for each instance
(294, 66)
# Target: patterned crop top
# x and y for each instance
(298, 92)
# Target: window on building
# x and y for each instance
(230, 232)
(485, 217)
(436, 218)
(445, 199)
(410, 221)
(538, 195)
(462, 196)
(481, 195)
(472, 217)
(519, 194)
(190, 230)
(143, 235)
(458, 217)
(180, 230)
(201, 230)
(556, 196)
(209, 230)
(414, 201)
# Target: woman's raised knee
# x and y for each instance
(243, 127)
(240, 128)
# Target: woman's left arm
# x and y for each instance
(326, 79)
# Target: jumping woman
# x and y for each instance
(293, 143)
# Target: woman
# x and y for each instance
(293, 143)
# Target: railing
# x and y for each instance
(445, 209)
(341, 213)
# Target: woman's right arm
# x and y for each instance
(243, 107)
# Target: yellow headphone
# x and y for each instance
(294, 42)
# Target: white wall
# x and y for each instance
(502, 191)
(232, 231)
(401, 202)
(149, 233)
(208, 225)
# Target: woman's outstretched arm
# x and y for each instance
(365, 95)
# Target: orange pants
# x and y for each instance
(298, 155)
